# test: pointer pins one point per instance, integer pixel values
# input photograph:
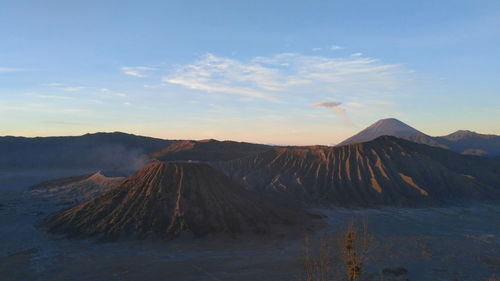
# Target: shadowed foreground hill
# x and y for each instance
(386, 171)
(208, 150)
(167, 199)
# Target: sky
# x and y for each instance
(275, 72)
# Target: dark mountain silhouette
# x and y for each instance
(100, 151)
(167, 199)
(385, 171)
(465, 142)
(468, 142)
(208, 150)
(72, 190)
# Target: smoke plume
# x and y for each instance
(334, 106)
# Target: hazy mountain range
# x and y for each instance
(210, 186)
(120, 151)
(98, 151)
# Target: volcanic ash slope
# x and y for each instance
(385, 171)
(167, 199)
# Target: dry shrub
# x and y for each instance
(355, 248)
(337, 256)
(319, 264)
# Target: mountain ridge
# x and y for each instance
(385, 171)
(207, 150)
(99, 151)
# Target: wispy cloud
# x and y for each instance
(156, 86)
(332, 48)
(136, 71)
(53, 97)
(62, 86)
(105, 92)
(74, 110)
(277, 77)
(73, 88)
(23, 107)
(50, 107)
(4, 69)
(52, 84)
(335, 107)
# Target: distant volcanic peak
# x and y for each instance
(462, 134)
(392, 127)
(168, 199)
(389, 126)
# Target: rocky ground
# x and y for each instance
(430, 244)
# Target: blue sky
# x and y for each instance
(284, 72)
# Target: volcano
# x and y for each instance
(391, 127)
(168, 199)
